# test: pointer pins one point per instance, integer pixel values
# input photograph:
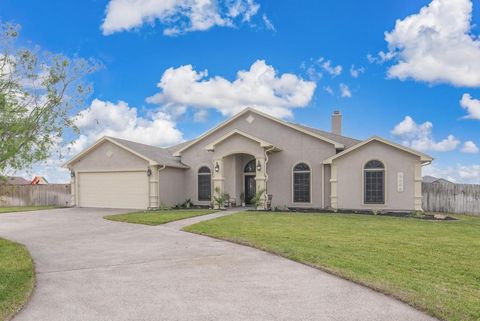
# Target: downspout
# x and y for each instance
(266, 173)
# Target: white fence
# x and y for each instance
(451, 198)
(35, 195)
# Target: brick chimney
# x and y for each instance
(337, 122)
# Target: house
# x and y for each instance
(39, 180)
(429, 179)
(299, 166)
(434, 180)
(14, 180)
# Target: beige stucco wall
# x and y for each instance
(171, 186)
(296, 147)
(108, 156)
(349, 169)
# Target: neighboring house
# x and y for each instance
(299, 166)
(434, 180)
(39, 180)
(14, 180)
(429, 179)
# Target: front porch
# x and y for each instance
(240, 168)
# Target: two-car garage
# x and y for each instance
(116, 173)
(126, 189)
(111, 175)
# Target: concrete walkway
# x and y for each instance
(91, 269)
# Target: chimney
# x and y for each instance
(337, 122)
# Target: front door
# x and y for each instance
(250, 187)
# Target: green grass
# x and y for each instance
(17, 278)
(157, 217)
(432, 265)
(24, 208)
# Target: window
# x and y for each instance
(374, 180)
(250, 167)
(204, 184)
(301, 183)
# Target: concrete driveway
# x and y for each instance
(92, 269)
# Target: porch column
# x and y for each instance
(261, 179)
(217, 177)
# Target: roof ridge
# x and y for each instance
(327, 132)
(131, 141)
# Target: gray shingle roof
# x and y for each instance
(14, 180)
(344, 140)
(163, 156)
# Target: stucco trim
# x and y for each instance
(98, 143)
(311, 184)
(264, 144)
(247, 110)
(424, 158)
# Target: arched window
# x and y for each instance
(374, 181)
(250, 167)
(204, 184)
(301, 183)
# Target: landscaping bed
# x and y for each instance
(432, 265)
(158, 217)
(17, 278)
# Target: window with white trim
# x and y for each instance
(204, 184)
(374, 182)
(301, 183)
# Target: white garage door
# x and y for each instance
(113, 189)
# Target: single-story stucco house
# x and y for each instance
(298, 166)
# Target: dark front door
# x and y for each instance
(250, 187)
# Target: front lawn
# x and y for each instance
(432, 265)
(24, 208)
(157, 217)
(17, 278)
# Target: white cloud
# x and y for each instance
(328, 89)
(200, 116)
(355, 72)
(268, 24)
(178, 16)
(466, 174)
(345, 91)
(104, 118)
(259, 87)
(471, 105)
(436, 45)
(419, 136)
(317, 67)
(469, 147)
(330, 68)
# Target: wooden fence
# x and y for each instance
(35, 195)
(451, 198)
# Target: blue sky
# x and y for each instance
(309, 40)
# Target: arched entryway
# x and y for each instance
(249, 173)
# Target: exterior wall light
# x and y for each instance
(217, 167)
(149, 172)
(259, 166)
(72, 174)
